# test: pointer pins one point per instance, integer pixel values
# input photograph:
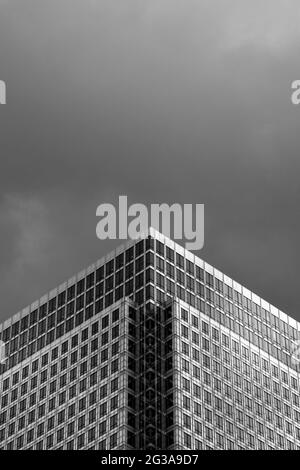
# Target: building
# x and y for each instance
(150, 348)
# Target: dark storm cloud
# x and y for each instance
(162, 101)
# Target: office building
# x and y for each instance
(150, 348)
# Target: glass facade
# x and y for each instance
(228, 393)
(149, 348)
(73, 394)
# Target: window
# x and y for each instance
(114, 421)
(115, 332)
(115, 348)
(187, 440)
(95, 328)
(195, 337)
(197, 409)
(102, 428)
(186, 384)
(206, 361)
(71, 428)
(186, 421)
(105, 321)
(81, 422)
(115, 315)
(196, 372)
(186, 402)
(114, 385)
(114, 403)
(184, 315)
(180, 260)
(114, 366)
(60, 435)
(91, 434)
(185, 365)
(92, 398)
(93, 379)
(184, 331)
(94, 362)
(113, 440)
(185, 348)
(205, 328)
(103, 372)
(104, 338)
(80, 441)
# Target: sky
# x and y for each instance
(162, 101)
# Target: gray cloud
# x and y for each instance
(162, 101)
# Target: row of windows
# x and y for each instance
(281, 353)
(77, 289)
(69, 428)
(84, 440)
(58, 399)
(200, 275)
(221, 345)
(260, 389)
(231, 388)
(37, 330)
(214, 440)
(65, 378)
(227, 418)
(67, 397)
(75, 356)
(233, 362)
(42, 341)
(221, 423)
(251, 398)
(128, 257)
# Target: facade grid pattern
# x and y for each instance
(150, 347)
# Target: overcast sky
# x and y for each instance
(164, 101)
